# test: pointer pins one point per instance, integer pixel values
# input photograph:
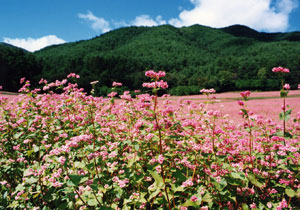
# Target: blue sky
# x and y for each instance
(34, 24)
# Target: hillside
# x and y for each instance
(232, 58)
(16, 63)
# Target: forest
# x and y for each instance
(194, 57)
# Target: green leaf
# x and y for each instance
(254, 181)
(207, 198)
(285, 115)
(75, 179)
(29, 152)
(245, 206)
(176, 189)
(190, 203)
(154, 194)
(288, 112)
(32, 180)
(17, 135)
(132, 161)
(180, 177)
(36, 195)
(288, 135)
(78, 164)
(291, 193)
(158, 179)
(36, 148)
(283, 93)
(238, 175)
(245, 112)
(20, 187)
(14, 204)
(92, 202)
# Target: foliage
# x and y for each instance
(74, 151)
(16, 63)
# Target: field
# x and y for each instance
(268, 103)
(214, 151)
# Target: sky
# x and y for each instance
(35, 24)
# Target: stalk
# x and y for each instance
(160, 148)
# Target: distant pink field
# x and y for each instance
(10, 97)
(237, 95)
(267, 107)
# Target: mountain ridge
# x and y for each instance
(231, 58)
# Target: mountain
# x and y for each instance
(231, 58)
(16, 63)
(244, 31)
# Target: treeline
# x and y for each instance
(195, 57)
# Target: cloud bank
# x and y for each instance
(97, 23)
(101, 25)
(258, 14)
(146, 20)
(32, 44)
(262, 15)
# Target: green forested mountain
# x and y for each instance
(232, 58)
(14, 64)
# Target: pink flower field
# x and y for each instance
(76, 151)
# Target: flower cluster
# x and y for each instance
(73, 75)
(117, 84)
(158, 84)
(245, 94)
(286, 87)
(155, 75)
(281, 69)
(208, 91)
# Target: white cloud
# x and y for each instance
(97, 23)
(257, 14)
(32, 44)
(146, 20)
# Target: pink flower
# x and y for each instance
(241, 103)
(112, 94)
(1, 87)
(194, 198)
(117, 84)
(94, 82)
(283, 204)
(208, 91)
(150, 73)
(298, 116)
(62, 160)
(299, 86)
(160, 159)
(153, 74)
(22, 80)
(187, 183)
(158, 84)
(286, 86)
(269, 205)
(253, 206)
(57, 184)
(281, 69)
(245, 94)
(158, 169)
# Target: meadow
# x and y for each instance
(215, 151)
